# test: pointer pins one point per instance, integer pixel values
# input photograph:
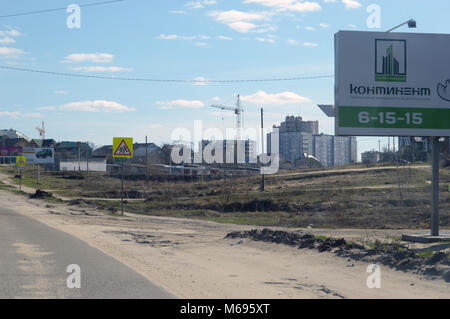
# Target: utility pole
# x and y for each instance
(79, 157)
(262, 148)
(146, 163)
(379, 146)
(87, 159)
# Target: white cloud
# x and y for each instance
(284, 98)
(324, 25)
(310, 44)
(236, 16)
(198, 38)
(241, 26)
(222, 37)
(17, 115)
(47, 108)
(11, 51)
(111, 69)
(89, 57)
(98, 106)
(288, 5)
(309, 28)
(244, 22)
(11, 33)
(195, 104)
(292, 41)
(61, 92)
(7, 40)
(200, 4)
(267, 40)
(351, 4)
(175, 37)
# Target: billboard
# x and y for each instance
(39, 155)
(392, 84)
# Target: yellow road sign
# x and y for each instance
(21, 161)
(123, 147)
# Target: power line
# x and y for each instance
(161, 80)
(58, 9)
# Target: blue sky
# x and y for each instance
(203, 39)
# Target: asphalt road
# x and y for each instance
(34, 260)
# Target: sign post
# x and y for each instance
(122, 148)
(394, 84)
(21, 161)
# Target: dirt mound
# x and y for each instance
(256, 205)
(40, 194)
(393, 255)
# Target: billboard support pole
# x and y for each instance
(38, 178)
(20, 184)
(435, 187)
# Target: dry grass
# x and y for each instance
(387, 198)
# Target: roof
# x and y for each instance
(13, 134)
(10, 142)
(104, 150)
(44, 143)
(72, 145)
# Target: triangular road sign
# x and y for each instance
(123, 150)
(21, 161)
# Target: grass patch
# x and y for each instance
(426, 254)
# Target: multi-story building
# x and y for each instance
(234, 152)
(333, 150)
(12, 134)
(323, 149)
(299, 139)
(296, 124)
(295, 138)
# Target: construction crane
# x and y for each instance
(238, 110)
(41, 131)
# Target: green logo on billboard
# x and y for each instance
(390, 60)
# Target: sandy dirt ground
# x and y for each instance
(191, 259)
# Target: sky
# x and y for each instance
(197, 40)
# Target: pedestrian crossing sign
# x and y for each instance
(21, 161)
(123, 147)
